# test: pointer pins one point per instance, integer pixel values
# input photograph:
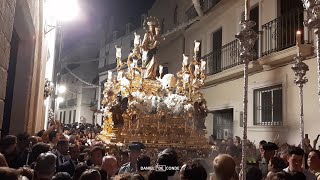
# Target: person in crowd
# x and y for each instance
(123, 157)
(45, 167)
(37, 149)
(70, 165)
(22, 149)
(225, 167)
(62, 152)
(237, 142)
(131, 166)
(61, 176)
(109, 165)
(26, 172)
(143, 162)
(169, 158)
(193, 170)
(90, 174)
(268, 151)
(8, 147)
(7, 173)
(295, 160)
(81, 167)
(314, 162)
(53, 139)
(253, 173)
(280, 176)
(129, 176)
(3, 162)
(276, 164)
(261, 143)
(97, 154)
(34, 140)
(284, 152)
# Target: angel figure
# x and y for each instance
(118, 109)
(200, 113)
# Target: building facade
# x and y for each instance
(22, 66)
(273, 104)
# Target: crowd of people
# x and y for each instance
(72, 152)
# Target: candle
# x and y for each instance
(246, 10)
(119, 77)
(196, 47)
(186, 77)
(109, 75)
(118, 52)
(135, 63)
(185, 60)
(144, 58)
(136, 39)
(160, 69)
(196, 70)
(298, 37)
(203, 65)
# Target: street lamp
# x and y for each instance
(61, 89)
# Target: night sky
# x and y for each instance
(94, 12)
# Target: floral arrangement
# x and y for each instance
(172, 104)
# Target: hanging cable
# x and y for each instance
(90, 85)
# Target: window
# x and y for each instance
(70, 112)
(60, 116)
(64, 117)
(74, 116)
(175, 15)
(268, 106)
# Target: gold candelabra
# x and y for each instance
(142, 104)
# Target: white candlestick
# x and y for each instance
(144, 58)
(203, 65)
(135, 63)
(119, 77)
(109, 75)
(186, 77)
(298, 37)
(118, 52)
(160, 69)
(196, 47)
(136, 39)
(246, 10)
(196, 70)
(185, 60)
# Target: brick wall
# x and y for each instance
(7, 10)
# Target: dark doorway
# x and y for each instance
(216, 50)
(223, 123)
(10, 82)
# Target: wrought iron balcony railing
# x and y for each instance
(280, 33)
(208, 4)
(191, 13)
(224, 58)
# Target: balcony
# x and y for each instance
(191, 13)
(224, 58)
(208, 4)
(280, 33)
(277, 46)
